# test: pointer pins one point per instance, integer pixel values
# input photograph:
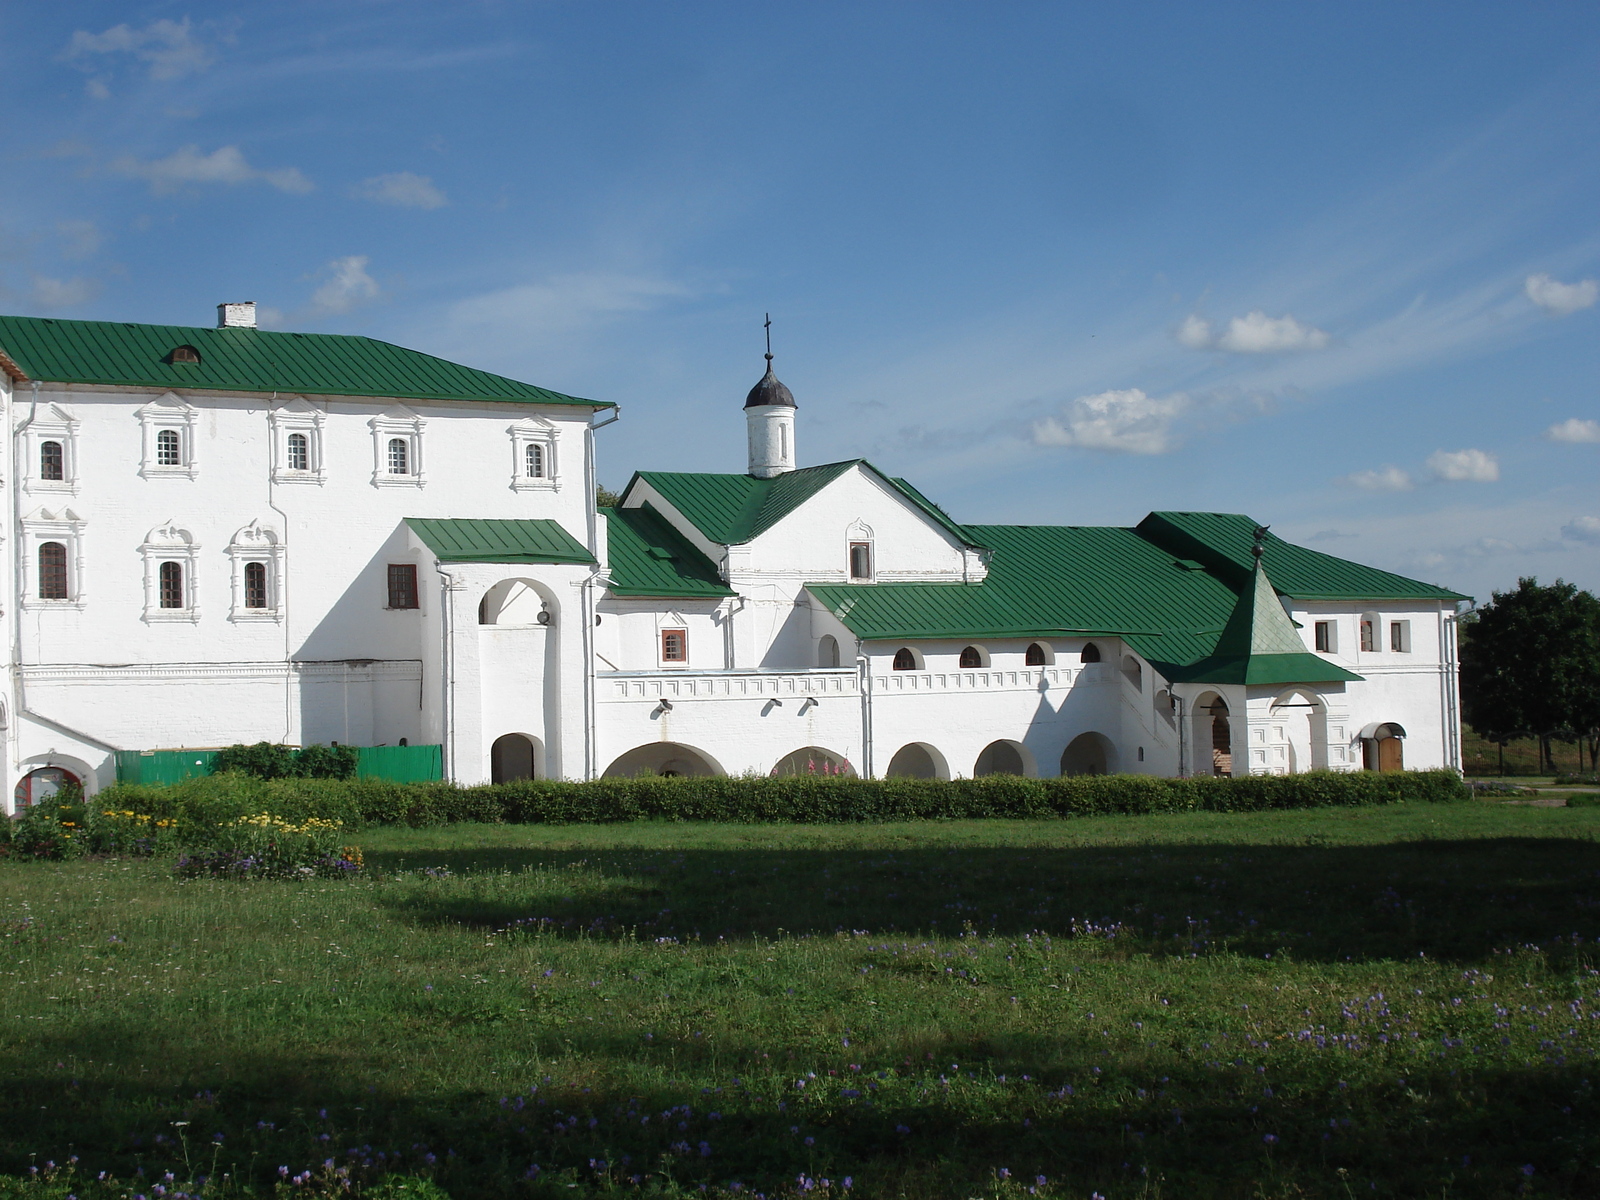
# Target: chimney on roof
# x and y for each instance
(237, 316)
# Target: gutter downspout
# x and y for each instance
(589, 603)
(447, 679)
(1450, 685)
(864, 670)
(283, 593)
(1177, 708)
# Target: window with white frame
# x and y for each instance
(397, 448)
(297, 443)
(51, 451)
(256, 558)
(859, 553)
(168, 435)
(170, 556)
(533, 456)
(52, 559)
(1327, 635)
(1400, 637)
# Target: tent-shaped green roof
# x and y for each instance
(248, 360)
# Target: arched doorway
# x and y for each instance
(42, 784)
(1004, 758)
(828, 651)
(516, 602)
(1383, 747)
(814, 760)
(1088, 754)
(513, 756)
(1304, 720)
(1213, 736)
(664, 758)
(917, 760)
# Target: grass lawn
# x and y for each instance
(1341, 1003)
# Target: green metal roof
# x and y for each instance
(648, 557)
(250, 360)
(1259, 645)
(530, 541)
(1222, 541)
(730, 509)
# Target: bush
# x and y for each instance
(269, 760)
(264, 846)
(201, 803)
(56, 828)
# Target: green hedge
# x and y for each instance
(795, 799)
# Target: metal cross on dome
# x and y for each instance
(768, 328)
(1261, 537)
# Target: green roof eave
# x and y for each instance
(1263, 668)
(646, 556)
(533, 540)
(119, 354)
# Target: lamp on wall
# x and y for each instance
(544, 617)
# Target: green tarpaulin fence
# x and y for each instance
(403, 764)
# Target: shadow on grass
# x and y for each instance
(905, 1126)
(1458, 900)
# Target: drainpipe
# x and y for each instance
(1177, 708)
(590, 606)
(864, 673)
(283, 592)
(447, 681)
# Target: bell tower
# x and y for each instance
(769, 422)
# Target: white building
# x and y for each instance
(233, 535)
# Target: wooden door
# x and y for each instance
(1391, 754)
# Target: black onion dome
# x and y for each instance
(769, 391)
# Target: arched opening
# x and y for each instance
(828, 651)
(905, 659)
(1004, 758)
(1304, 720)
(1383, 747)
(1089, 754)
(973, 658)
(1213, 736)
(917, 760)
(1133, 672)
(664, 758)
(1038, 655)
(1091, 653)
(516, 602)
(41, 784)
(814, 760)
(513, 756)
(399, 457)
(1370, 624)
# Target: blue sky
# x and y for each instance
(1331, 265)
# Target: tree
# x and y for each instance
(604, 497)
(1530, 664)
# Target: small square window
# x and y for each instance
(402, 585)
(674, 645)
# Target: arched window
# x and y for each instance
(905, 659)
(860, 560)
(399, 457)
(299, 452)
(1091, 653)
(971, 657)
(1035, 656)
(169, 448)
(52, 462)
(171, 577)
(52, 571)
(1369, 633)
(533, 460)
(828, 651)
(184, 354)
(255, 585)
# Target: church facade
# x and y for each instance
(223, 535)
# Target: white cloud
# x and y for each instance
(1464, 466)
(1253, 333)
(169, 47)
(403, 189)
(224, 165)
(1561, 298)
(1127, 421)
(1582, 529)
(1385, 479)
(1195, 332)
(346, 285)
(1574, 429)
(96, 89)
(79, 239)
(63, 293)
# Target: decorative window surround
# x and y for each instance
(859, 545)
(672, 636)
(256, 543)
(52, 424)
(398, 422)
(534, 431)
(43, 526)
(169, 543)
(168, 412)
(297, 416)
